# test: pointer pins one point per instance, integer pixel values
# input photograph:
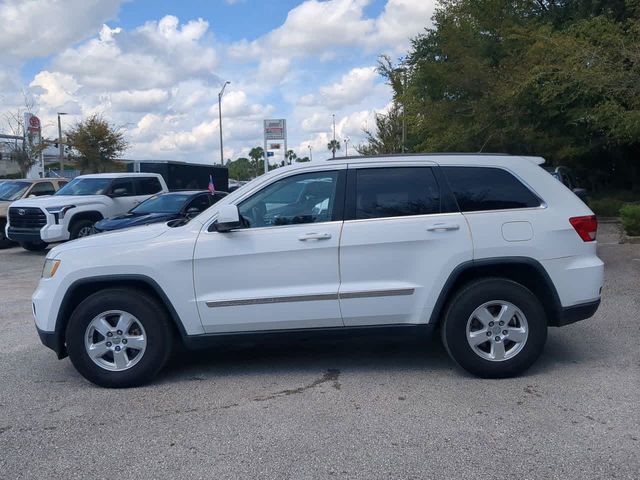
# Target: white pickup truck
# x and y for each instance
(72, 211)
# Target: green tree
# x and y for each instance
(257, 160)
(332, 146)
(557, 78)
(302, 159)
(387, 137)
(290, 156)
(95, 144)
(240, 169)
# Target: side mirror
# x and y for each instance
(228, 218)
(119, 192)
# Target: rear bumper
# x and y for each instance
(575, 313)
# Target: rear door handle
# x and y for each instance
(314, 236)
(443, 227)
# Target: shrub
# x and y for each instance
(606, 207)
(630, 216)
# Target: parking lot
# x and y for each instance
(367, 408)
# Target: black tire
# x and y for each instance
(148, 311)
(472, 296)
(33, 246)
(4, 241)
(78, 226)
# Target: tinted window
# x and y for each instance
(200, 203)
(123, 183)
(484, 188)
(148, 186)
(306, 198)
(167, 203)
(396, 192)
(42, 188)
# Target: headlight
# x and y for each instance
(59, 212)
(50, 267)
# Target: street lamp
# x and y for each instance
(60, 148)
(346, 146)
(220, 119)
(310, 154)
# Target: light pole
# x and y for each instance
(333, 150)
(220, 119)
(60, 148)
(346, 146)
(310, 154)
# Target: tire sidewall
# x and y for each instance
(154, 321)
(78, 225)
(454, 330)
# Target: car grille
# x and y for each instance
(20, 217)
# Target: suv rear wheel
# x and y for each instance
(494, 328)
(119, 338)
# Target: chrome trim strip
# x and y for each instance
(312, 298)
(378, 293)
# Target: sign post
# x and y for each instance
(274, 130)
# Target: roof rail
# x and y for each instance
(426, 154)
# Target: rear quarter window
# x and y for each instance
(488, 188)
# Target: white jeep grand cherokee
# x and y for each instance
(71, 212)
(491, 249)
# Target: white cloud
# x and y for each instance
(155, 55)
(138, 100)
(56, 89)
(401, 20)
(352, 88)
(37, 28)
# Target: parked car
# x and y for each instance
(162, 208)
(73, 210)
(12, 190)
(566, 177)
(491, 250)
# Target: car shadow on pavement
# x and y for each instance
(367, 353)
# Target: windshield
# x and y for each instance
(10, 191)
(172, 203)
(85, 186)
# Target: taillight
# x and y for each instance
(586, 227)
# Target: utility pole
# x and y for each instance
(346, 146)
(310, 154)
(60, 147)
(220, 119)
(333, 150)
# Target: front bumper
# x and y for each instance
(53, 341)
(23, 234)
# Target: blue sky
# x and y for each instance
(154, 67)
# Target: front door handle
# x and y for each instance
(314, 236)
(443, 227)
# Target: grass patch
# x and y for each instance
(630, 217)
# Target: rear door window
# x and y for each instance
(123, 183)
(488, 188)
(42, 188)
(396, 192)
(148, 185)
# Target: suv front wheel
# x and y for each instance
(494, 328)
(119, 338)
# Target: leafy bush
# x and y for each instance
(630, 216)
(606, 207)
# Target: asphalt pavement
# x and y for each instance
(373, 408)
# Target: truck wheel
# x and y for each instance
(494, 328)
(119, 338)
(33, 246)
(81, 228)
(4, 241)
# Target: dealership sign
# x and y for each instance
(31, 124)
(274, 129)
